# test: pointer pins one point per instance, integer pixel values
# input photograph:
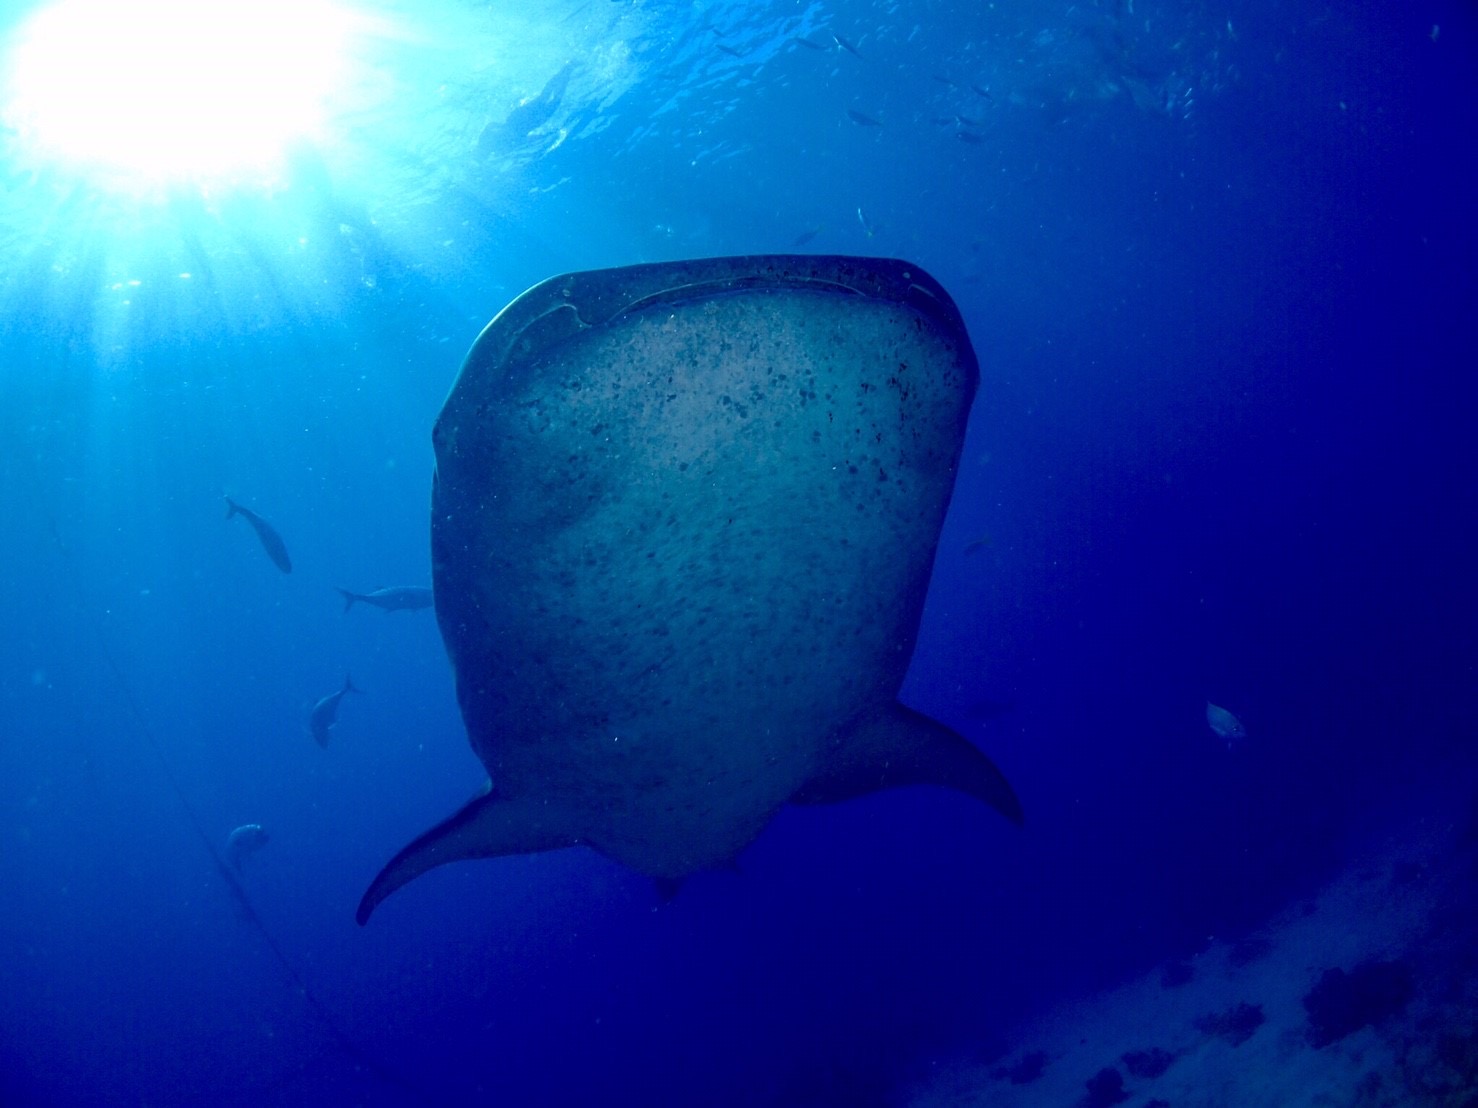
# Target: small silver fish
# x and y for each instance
(246, 839)
(866, 223)
(395, 598)
(1225, 725)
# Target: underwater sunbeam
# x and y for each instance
(162, 91)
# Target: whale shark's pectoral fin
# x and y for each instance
(487, 827)
(896, 746)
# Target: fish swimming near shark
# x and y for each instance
(266, 534)
(326, 713)
(246, 839)
(395, 598)
(683, 521)
(805, 237)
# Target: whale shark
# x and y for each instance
(683, 521)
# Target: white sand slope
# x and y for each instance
(1413, 903)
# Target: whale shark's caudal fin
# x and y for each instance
(487, 827)
(897, 746)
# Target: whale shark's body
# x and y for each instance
(683, 522)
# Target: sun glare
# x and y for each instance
(157, 91)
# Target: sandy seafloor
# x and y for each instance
(1407, 904)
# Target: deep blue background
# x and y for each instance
(1223, 449)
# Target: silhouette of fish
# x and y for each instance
(644, 478)
(326, 713)
(395, 598)
(246, 839)
(1225, 725)
(804, 238)
(266, 534)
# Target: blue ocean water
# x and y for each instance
(1220, 268)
